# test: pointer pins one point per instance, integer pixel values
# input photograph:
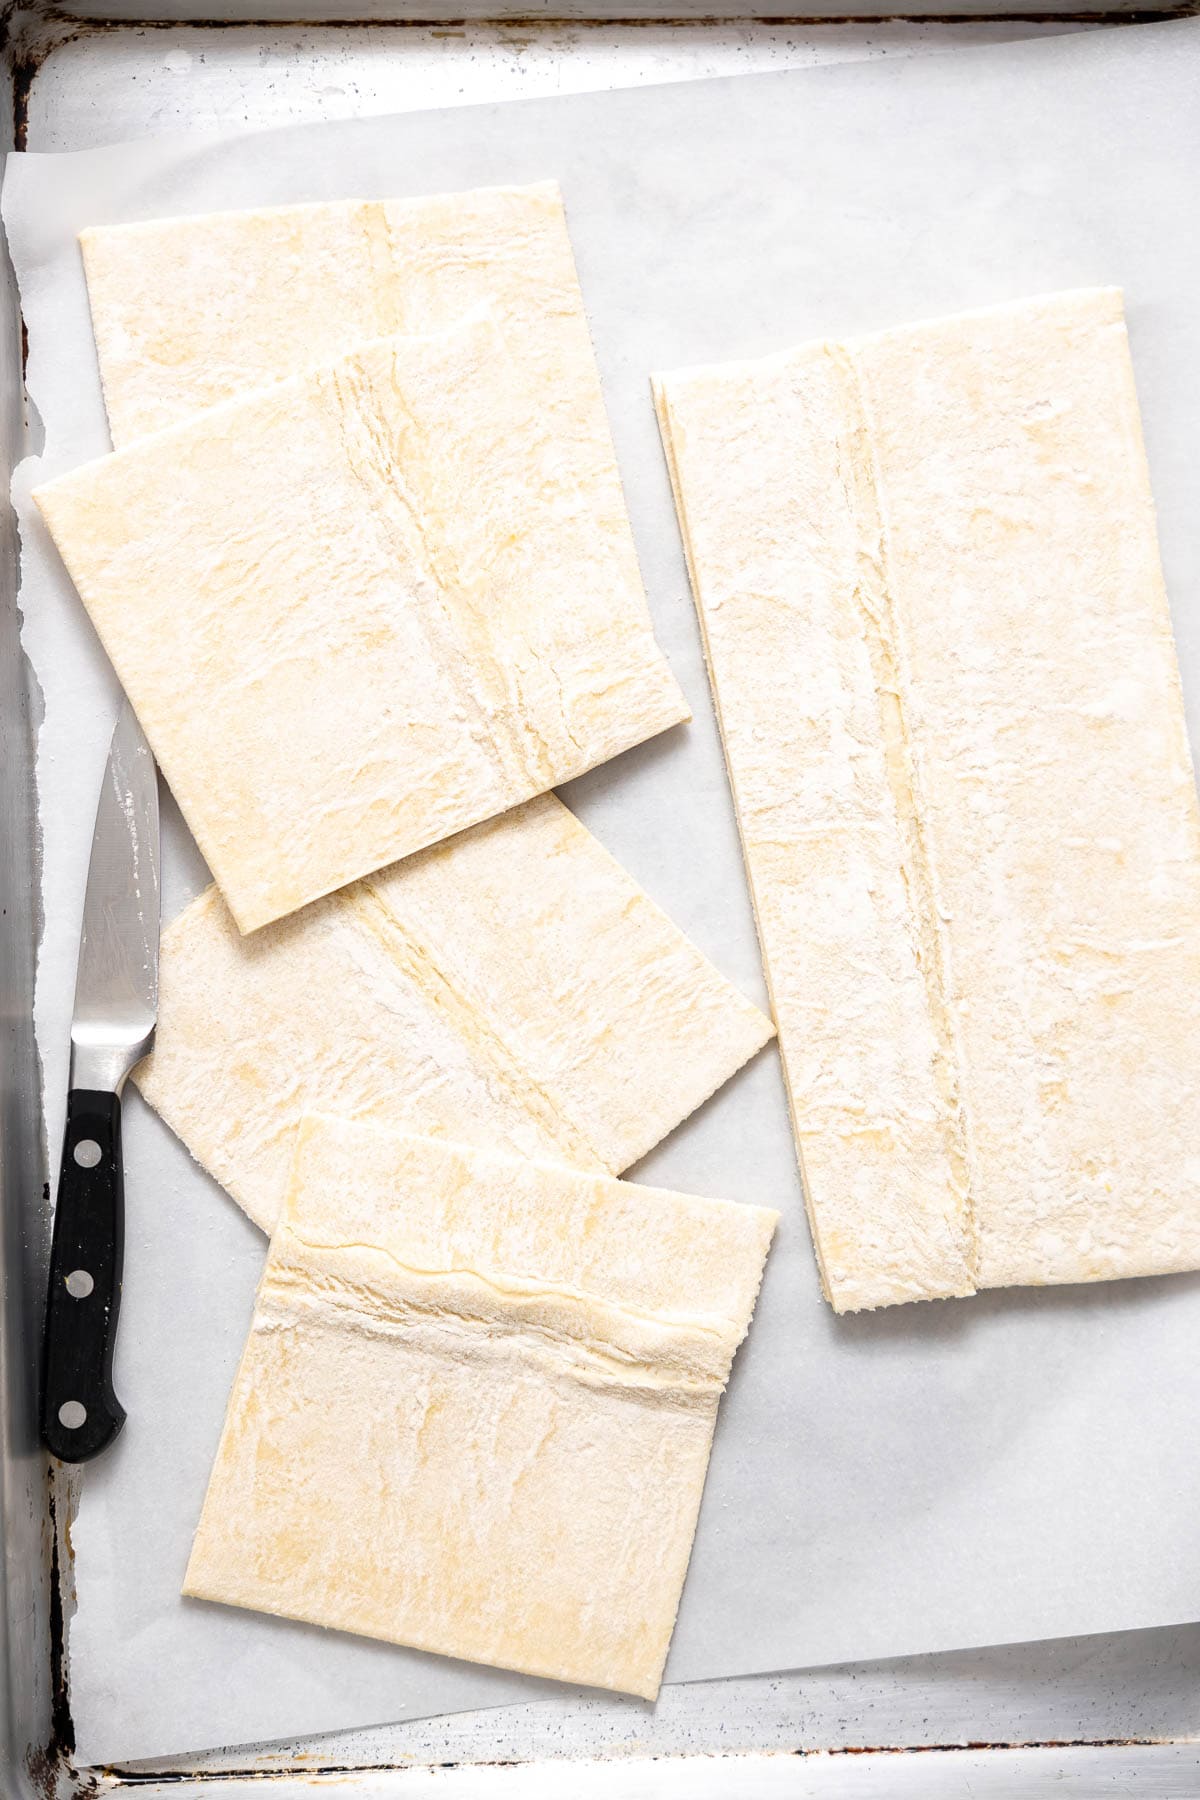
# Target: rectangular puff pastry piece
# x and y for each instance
(927, 570)
(476, 1403)
(513, 988)
(360, 610)
(190, 311)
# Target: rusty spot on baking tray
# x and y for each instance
(64, 24)
(62, 1729)
(50, 1766)
(1116, 1743)
(24, 69)
(27, 40)
(326, 1771)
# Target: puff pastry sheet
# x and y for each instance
(359, 611)
(513, 988)
(476, 1403)
(927, 572)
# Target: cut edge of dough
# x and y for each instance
(1053, 299)
(548, 187)
(662, 409)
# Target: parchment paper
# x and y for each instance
(1018, 1465)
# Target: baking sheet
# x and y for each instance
(1002, 1468)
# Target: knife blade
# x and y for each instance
(116, 1010)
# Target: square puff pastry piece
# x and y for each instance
(361, 610)
(476, 1404)
(513, 988)
(927, 571)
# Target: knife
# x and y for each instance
(116, 1009)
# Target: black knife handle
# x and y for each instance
(80, 1413)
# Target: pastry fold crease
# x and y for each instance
(927, 573)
